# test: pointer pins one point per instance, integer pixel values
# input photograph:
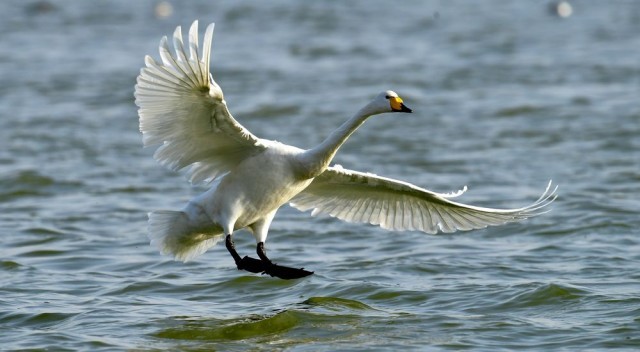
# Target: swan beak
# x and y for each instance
(398, 106)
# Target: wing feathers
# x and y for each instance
(181, 107)
(206, 51)
(190, 67)
(396, 205)
(198, 69)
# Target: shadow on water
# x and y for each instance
(316, 318)
(232, 329)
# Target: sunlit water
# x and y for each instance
(506, 95)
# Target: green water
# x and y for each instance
(505, 96)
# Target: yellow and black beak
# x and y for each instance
(397, 105)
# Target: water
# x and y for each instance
(505, 96)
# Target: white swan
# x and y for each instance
(182, 108)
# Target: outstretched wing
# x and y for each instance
(182, 107)
(395, 205)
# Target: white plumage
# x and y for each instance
(395, 205)
(182, 108)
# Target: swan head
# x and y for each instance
(387, 101)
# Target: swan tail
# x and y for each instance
(171, 233)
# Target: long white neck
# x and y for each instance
(314, 161)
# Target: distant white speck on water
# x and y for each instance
(564, 9)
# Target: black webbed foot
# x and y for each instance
(251, 264)
(247, 263)
(283, 272)
(264, 265)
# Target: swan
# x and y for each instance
(182, 109)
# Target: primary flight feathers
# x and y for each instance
(395, 205)
(182, 108)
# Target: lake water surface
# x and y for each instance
(506, 95)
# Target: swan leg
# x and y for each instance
(279, 271)
(247, 263)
